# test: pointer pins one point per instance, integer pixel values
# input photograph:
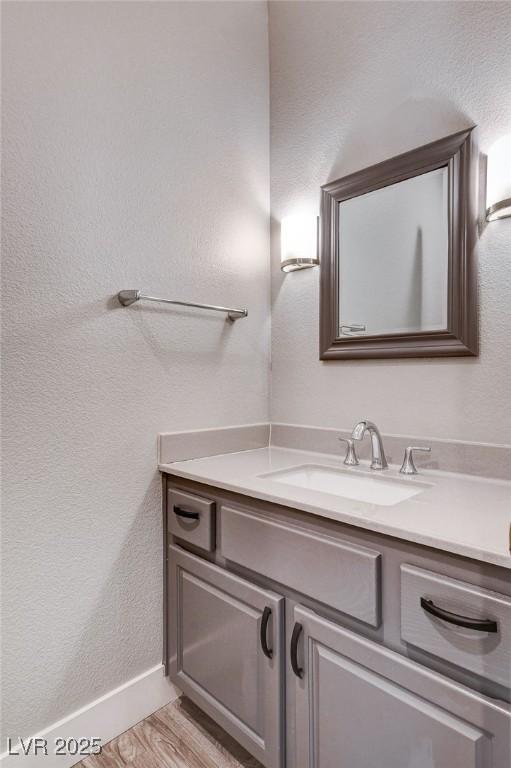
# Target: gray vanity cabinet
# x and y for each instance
(309, 643)
(360, 705)
(226, 651)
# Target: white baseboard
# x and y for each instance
(106, 718)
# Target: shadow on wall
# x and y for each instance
(135, 613)
(413, 123)
(162, 340)
(56, 319)
(163, 344)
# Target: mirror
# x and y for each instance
(396, 257)
(394, 244)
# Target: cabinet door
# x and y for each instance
(226, 650)
(359, 705)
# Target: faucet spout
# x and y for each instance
(378, 459)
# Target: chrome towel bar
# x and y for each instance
(126, 298)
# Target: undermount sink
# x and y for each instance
(350, 484)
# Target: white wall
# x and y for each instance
(353, 84)
(136, 155)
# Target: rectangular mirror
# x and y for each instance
(394, 244)
(396, 258)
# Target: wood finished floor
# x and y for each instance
(176, 736)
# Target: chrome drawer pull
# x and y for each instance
(482, 625)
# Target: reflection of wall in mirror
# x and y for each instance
(393, 251)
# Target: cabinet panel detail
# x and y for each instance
(217, 655)
(386, 720)
(337, 573)
(212, 618)
(359, 705)
(487, 653)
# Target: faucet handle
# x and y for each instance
(408, 466)
(351, 457)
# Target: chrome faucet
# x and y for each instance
(378, 454)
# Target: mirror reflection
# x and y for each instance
(393, 258)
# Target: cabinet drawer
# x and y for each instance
(484, 648)
(338, 573)
(191, 518)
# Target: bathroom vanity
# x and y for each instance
(323, 631)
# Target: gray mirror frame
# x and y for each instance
(459, 153)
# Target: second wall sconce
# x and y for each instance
(498, 182)
(299, 237)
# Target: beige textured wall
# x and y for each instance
(135, 155)
(353, 84)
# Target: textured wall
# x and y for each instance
(353, 84)
(136, 155)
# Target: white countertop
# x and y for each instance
(465, 515)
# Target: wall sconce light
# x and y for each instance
(498, 180)
(299, 242)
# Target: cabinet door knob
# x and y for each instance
(268, 652)
(482, 625)
(297, 631)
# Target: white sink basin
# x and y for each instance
(377, 488)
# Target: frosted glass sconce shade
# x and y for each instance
(298, 242)
(498, 185)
